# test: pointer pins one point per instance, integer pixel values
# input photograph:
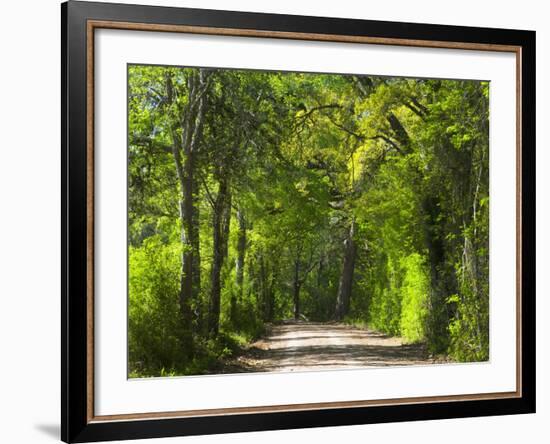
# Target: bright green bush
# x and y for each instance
(385, 311)
(414, 291)
(154, 318)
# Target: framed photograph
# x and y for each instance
(275, 221)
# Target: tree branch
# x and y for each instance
(209, 195)
(138, 140)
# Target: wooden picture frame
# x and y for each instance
(79, 22)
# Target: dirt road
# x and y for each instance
(313, 346)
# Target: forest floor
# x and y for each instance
(298, 346)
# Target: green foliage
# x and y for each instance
(385, 306)
(415, 290)
(279, 166)
(153, 318)
(469, 330)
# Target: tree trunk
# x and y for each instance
(272, 283)
(321, 289)
(438, 321)
(270, 302)
(220, 230)
(190, 288)
(186, 133)
(343, 297)
(236, 296)
(264, 286)
(296, 287)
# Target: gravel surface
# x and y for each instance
(298, 346)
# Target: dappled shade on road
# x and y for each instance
(298, 346)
